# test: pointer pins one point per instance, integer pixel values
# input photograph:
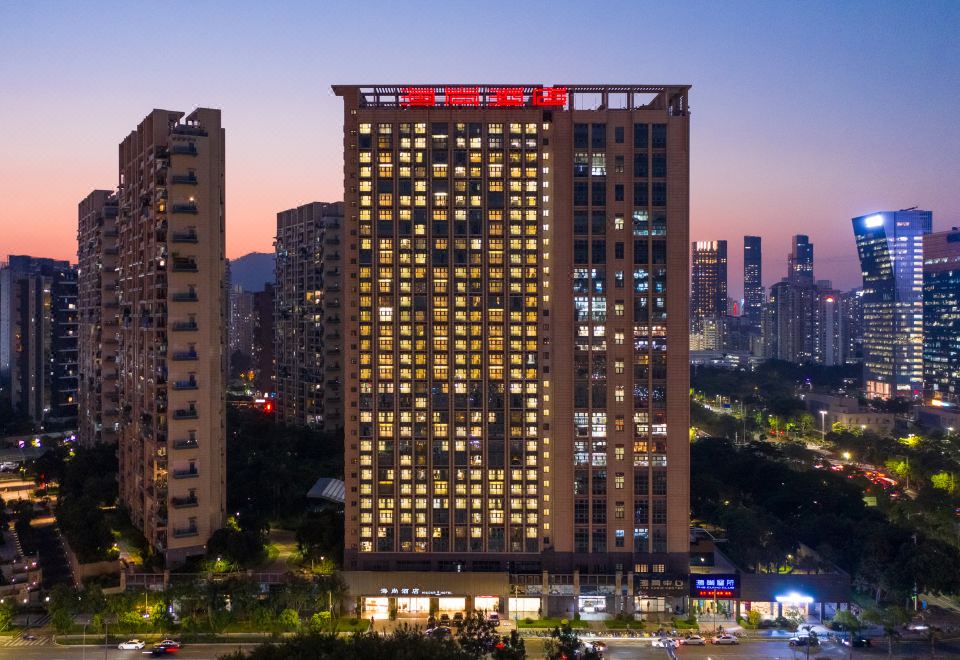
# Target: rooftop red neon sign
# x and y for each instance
(489, 97)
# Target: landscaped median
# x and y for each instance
(550, 624)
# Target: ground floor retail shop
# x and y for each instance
(419, 594)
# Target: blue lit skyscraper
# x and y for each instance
(941, 316)
(890, 246)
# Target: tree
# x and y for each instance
(510, 647)
(565, 643)
(890, 619)
(477, 636)
(6, 615)
(243, 547)
(847, 620)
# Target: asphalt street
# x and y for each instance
(47, 651)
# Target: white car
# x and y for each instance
(724, 639)
(664, 643)
(693, 640)
(131, 645)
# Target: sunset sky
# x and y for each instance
(803, 114)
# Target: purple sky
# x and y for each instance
(803, 114)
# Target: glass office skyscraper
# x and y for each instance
(890, 246)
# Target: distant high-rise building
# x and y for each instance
(241, 325)
(516, 342)
(38, 339)
(708, 281)
(829, 319)
(941, 316)
(791, 329)
(851, 320)
(263, 337)
(753, 292)
(308, 301)
(890, 246)
(800, 260)
(172, 341)
(97, 318)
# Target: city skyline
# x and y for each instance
(285, 151)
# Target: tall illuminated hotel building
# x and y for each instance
(515, 344)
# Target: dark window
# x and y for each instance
(641, 481)
(580, 223)
(598, 136)
(599, 486)
(599, 512)
(660, 165)
(659, 252)
(598, 196)
(640, 165)
(659, 483)
(659, 193)
(581, 538)
(618, 134)
(618, 250)
(659, 512)
(639, 193)
(580, 135)
(640, 136)
(600, 540)
(640, 255)
(618, 192)
(659, 136)
(599, 252)
(581, 512)
(580, 252)
(598, 223)
(580, 193)
(618, 164)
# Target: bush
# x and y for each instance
(289, 619)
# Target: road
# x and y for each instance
(47, 651)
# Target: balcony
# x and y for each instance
(189, 473)
(181, 532)
(185, 237)
(185, 296)
(185, 384)
(189, 129)
(187, 443)
(184, 502)
(184, 266)
(181, 356)
(185, 326)
(184, 207)
(185, 413)
(188, 179)
(186, 149)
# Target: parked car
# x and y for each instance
(431, 621)
(724, 639)
(458, 619)
(693, 640)
(804, 641)
(494, 618)
(440, 632)
(857, 641)
(9, 466)
(599, 646)
(131, 645)
(444, 619)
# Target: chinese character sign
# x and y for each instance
(474, 96)
(715, 586)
